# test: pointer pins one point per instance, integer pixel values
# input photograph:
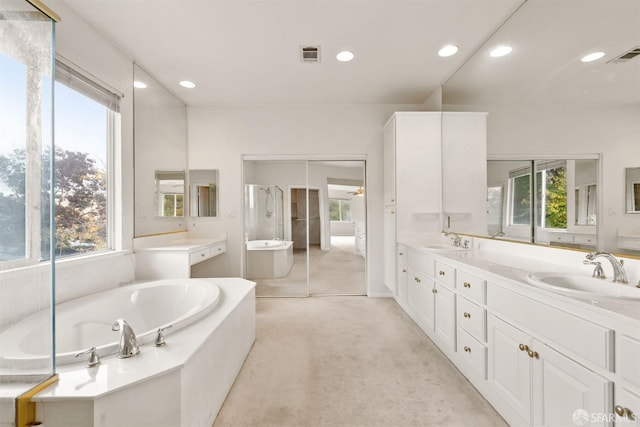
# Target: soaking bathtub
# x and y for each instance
(269, 259)
(86, 322)
(181, 384)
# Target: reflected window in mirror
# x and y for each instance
(203, 184)
(551, 195)
(633, 190)
(169, 194)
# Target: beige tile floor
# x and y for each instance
(338, 271)
(348, 361)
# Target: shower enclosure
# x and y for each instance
(264, 219)
(26, 235)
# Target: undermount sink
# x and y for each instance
(443, 247)
(584, 285)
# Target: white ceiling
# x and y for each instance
(246, 51)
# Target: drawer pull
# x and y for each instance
(416, 279)
(467, 315)
(435, 291)
(466, 285)
(467, 349)
(202, 255)
(400, 253)
(441, 273)
(523, 347)
(620, 410)
(533, 354)
(404, 270)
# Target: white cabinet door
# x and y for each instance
(509, 370)
(401, 282)
(445, 316)
(421, 299)
(389, 151)
(564, 389)
(390, 249)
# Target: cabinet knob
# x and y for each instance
(620, 410)
(392, 212)
(202, 255)
(404, 270)
(416, 279)
(393, 200)
(400, 253)
(466, 284)
(435, 291)
(467, 349)
(523, 347)
(533, 354)
(441, 273)
(467, 315)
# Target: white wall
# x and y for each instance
(219, 136)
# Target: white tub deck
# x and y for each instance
(181, 384)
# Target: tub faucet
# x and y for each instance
(619, 275)
(128, 344)
(457, 240)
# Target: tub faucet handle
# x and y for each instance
(159, 342)
(94, 359)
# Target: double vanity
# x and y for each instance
(543, 341)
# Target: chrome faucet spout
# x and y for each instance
(128, 343)
(457, 240)
(619, 275)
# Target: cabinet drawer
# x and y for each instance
(199, 256)
(561, 237)
(470, 286)
(472, 318)
(421, 263)
(218, 249)
(402, 253)
(472, 352)
(628, 364)
(445, 274)
(584, 339)
(584, 239)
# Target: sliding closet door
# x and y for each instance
(275, 227)
(336, 220)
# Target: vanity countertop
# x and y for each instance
(515, 269)
(186, 244)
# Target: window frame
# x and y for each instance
(340, 202)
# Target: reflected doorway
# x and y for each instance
(322, 247)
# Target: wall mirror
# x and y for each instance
(547, 100)
(632, 189)
(160, 147)
(203, 192)
(169, 194)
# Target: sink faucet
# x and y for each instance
(619, 274)
(457, 240)
(128, 344)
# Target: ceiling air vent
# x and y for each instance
(628, 55)
(310, 53)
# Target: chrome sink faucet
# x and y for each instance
(619, 275)
(128, 344)
(457, 240)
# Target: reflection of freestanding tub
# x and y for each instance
(269, 259)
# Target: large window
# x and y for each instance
(340, 210)
(86, 117)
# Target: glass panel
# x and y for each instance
(275, 226)
(337, 228)
(26, 295)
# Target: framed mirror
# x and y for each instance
(169, 194)
(203, 192)
(632, 187)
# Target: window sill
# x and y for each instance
(66, 262)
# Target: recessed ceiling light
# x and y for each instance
(592, 57)
(344, 56)
(187, 84)
(448, 50)
(501, 51)
(139, 85)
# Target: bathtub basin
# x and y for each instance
(86, 322)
